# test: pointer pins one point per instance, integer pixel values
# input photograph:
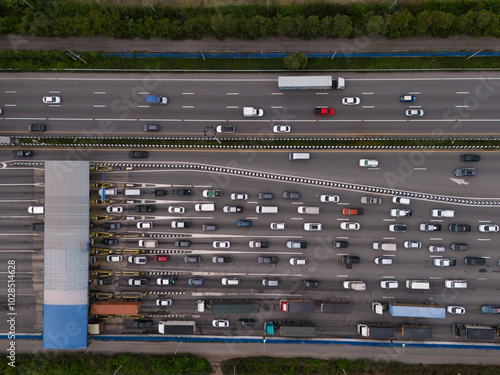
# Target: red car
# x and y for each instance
(352, 211)
(161, 258)
(323, 111)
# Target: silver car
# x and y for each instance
(414, 113)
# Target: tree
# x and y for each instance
(400, 25)
(342, 25)
(296, 61)
(285, 26)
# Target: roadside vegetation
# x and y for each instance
(91, 364)
(391, 19)
(59, 61)
(309, 366)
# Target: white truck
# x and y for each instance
(442, 213)
(308, 210)
(354, 285)
(148, 243)
(252, 112)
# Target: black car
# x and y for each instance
(143, 323)
(459, 246)
(310, 283)
(37, 226)
(291, 195)
(144, 208)
(138, 154)
(268, 260)
(22, 154)
(112, 226)
(192, 259)
(470, 157)
(159, 193)
(151, 127)
(181, 192)
(266, 196)
(221, 259)
(340, 244)
(465, 172)
(475, 261)
(350, 259)
(183, 243)
(110, 241)
(105, 281)
(37, 128)
(245, 323)
(459, 228)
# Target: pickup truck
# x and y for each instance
(428, 227)
(181, 192)
(252, 112)
(232, 209)
(155, 99)
(261, 244)
(323, 111)
(442, 213)
(352, 211)
(212, 193)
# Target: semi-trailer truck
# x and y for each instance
(297, 306)
(376, 330)
(310, 83)
(410, 310)
(474, 331)
(290, 329)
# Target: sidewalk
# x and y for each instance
(364, 44)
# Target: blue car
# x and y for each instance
(244, 223)
(408, 99)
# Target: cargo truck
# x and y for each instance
(416, 331)
(297, 306)
(290, 329)
(410, 310)
(336, 307)
(354, 285)
(474, 331)
(308, 210)
(116, 308)
(310, 83)
(376, 330)
(155, 99)
(252, 112)
(177, 327)
(234, 307)
(212, 193)
(148, 243)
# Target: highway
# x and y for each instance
(103, 104)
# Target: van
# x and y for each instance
(418, 284)
(455, 284)
(148, 243)
(133, 192)
(209, 227)
(266, 209)
(205, 207)
(35, 209)
(298, 156)
(108, 192)
(228, 281)
(385, 246)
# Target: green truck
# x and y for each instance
(290, 329)
(212, 193)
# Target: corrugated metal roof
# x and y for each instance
(66, 257)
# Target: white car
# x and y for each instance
(401, 200)
(442, 213)
(221, 244)
(399, 212)
(487, 228)
(114, 258)
(176, 210)
(298, 261)
(412, 244)
(368, 163)
(350, 100)
(164, 302)
(277, 226)
(444, 262)
(313, 226)
(414, 112)
(282, 129)
(239, 196)
(220, 323)
(114, 209)
(349, 225)
(436, 248)
(388, 284)
(137, 259)
(329, 198)
(144, 225)
(51, 99)
(455, 310)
